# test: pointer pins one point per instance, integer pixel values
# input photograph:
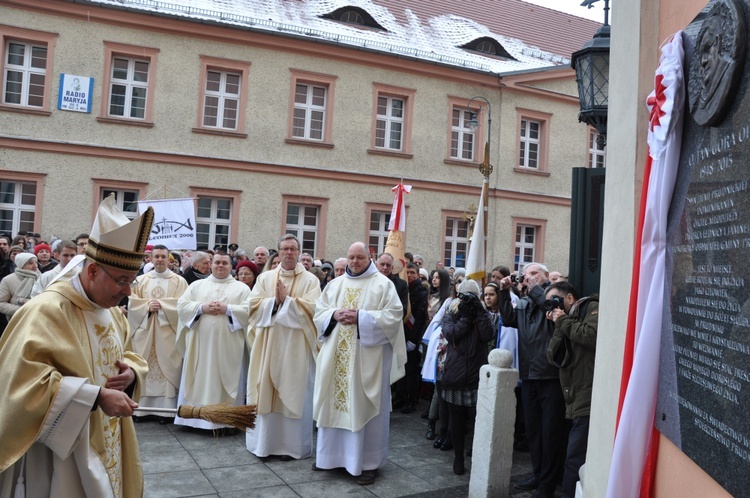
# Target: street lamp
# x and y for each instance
(591, 65)
(485, 168)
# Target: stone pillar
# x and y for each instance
(492, 453)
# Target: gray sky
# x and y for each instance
(574, 7)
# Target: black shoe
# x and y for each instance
(447, 445)
(430, 431)
(528, 484)
(438, 442)
(286, 458)
(458, 466)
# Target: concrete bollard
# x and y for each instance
(492, 453)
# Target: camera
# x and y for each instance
(552, 303)
(516, 278)
(467, 298)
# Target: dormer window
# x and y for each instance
(488, 46)
(354, 15)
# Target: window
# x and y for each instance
(528, 242)
(127, 201)
(302, 221)
(127, 96)
(305, 217)
(354, 15)
(126, 193)
(392, 121)
(26, 69)
(216, 216)
(390, 126)
(213, 221)
(597, 153)
(223, 97)
(18, 201)
(311, 108)
(456, 242)
(529, 157)
(533, 133)
(378, 233)
(488, 46)
(463, 142)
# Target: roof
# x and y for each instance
(429, 30)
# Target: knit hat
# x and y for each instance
(326, 266)
(23, 258)
(39, 247)
(15, 248)
(117, 241)
(424, 273)
(469, 286)
(249, 264)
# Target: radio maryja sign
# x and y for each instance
(174, 222)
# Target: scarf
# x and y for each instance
(28, 277)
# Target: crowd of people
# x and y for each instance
(326, 345)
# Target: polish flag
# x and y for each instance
(636, 440)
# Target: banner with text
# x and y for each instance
(174, 222)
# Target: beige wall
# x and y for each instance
(262, 166)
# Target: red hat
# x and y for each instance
(39, 247)
(253, 267)
(149, 248)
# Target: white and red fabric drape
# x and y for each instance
(634, 452)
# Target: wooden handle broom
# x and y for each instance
(241, 417)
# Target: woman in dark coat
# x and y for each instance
(467, 328)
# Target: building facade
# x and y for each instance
(273, 129)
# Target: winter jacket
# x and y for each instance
(467, 334)
(572, 349)
(534, 333)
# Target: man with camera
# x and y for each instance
(572, 349)
(543, 403)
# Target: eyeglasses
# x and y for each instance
(119, 283)
(288, 249)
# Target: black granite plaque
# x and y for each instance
(704, 390)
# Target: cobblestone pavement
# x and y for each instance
(180, 462)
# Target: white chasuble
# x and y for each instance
(283, 347)
(155, 334)
(351, 403)
(213, 345)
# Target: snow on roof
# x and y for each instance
(437, 39)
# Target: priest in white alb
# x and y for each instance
(211, 336)
(284, 344)
(359, 319)
(152, 314)
(69, 384)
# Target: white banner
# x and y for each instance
(174, 222)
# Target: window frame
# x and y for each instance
(322, 204)
(102, 184)
(208, 63)
(372, 207)
(382, 90)
(32, 37)
(541, 228)
(544, 120)
(327, 81)
(593, 151)
(453, 215)
(40, 180)
(233, 195)
(479, 134)
(132, 52)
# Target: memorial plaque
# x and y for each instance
(704, 390)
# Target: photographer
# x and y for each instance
(572, 350)
(467, 327)
(543, 403)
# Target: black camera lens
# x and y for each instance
(553, 302)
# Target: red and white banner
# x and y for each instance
(633, 459)
(398, 211)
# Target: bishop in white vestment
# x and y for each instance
(152, 314)
(284, 344)
(212, 319)
(359, 319)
